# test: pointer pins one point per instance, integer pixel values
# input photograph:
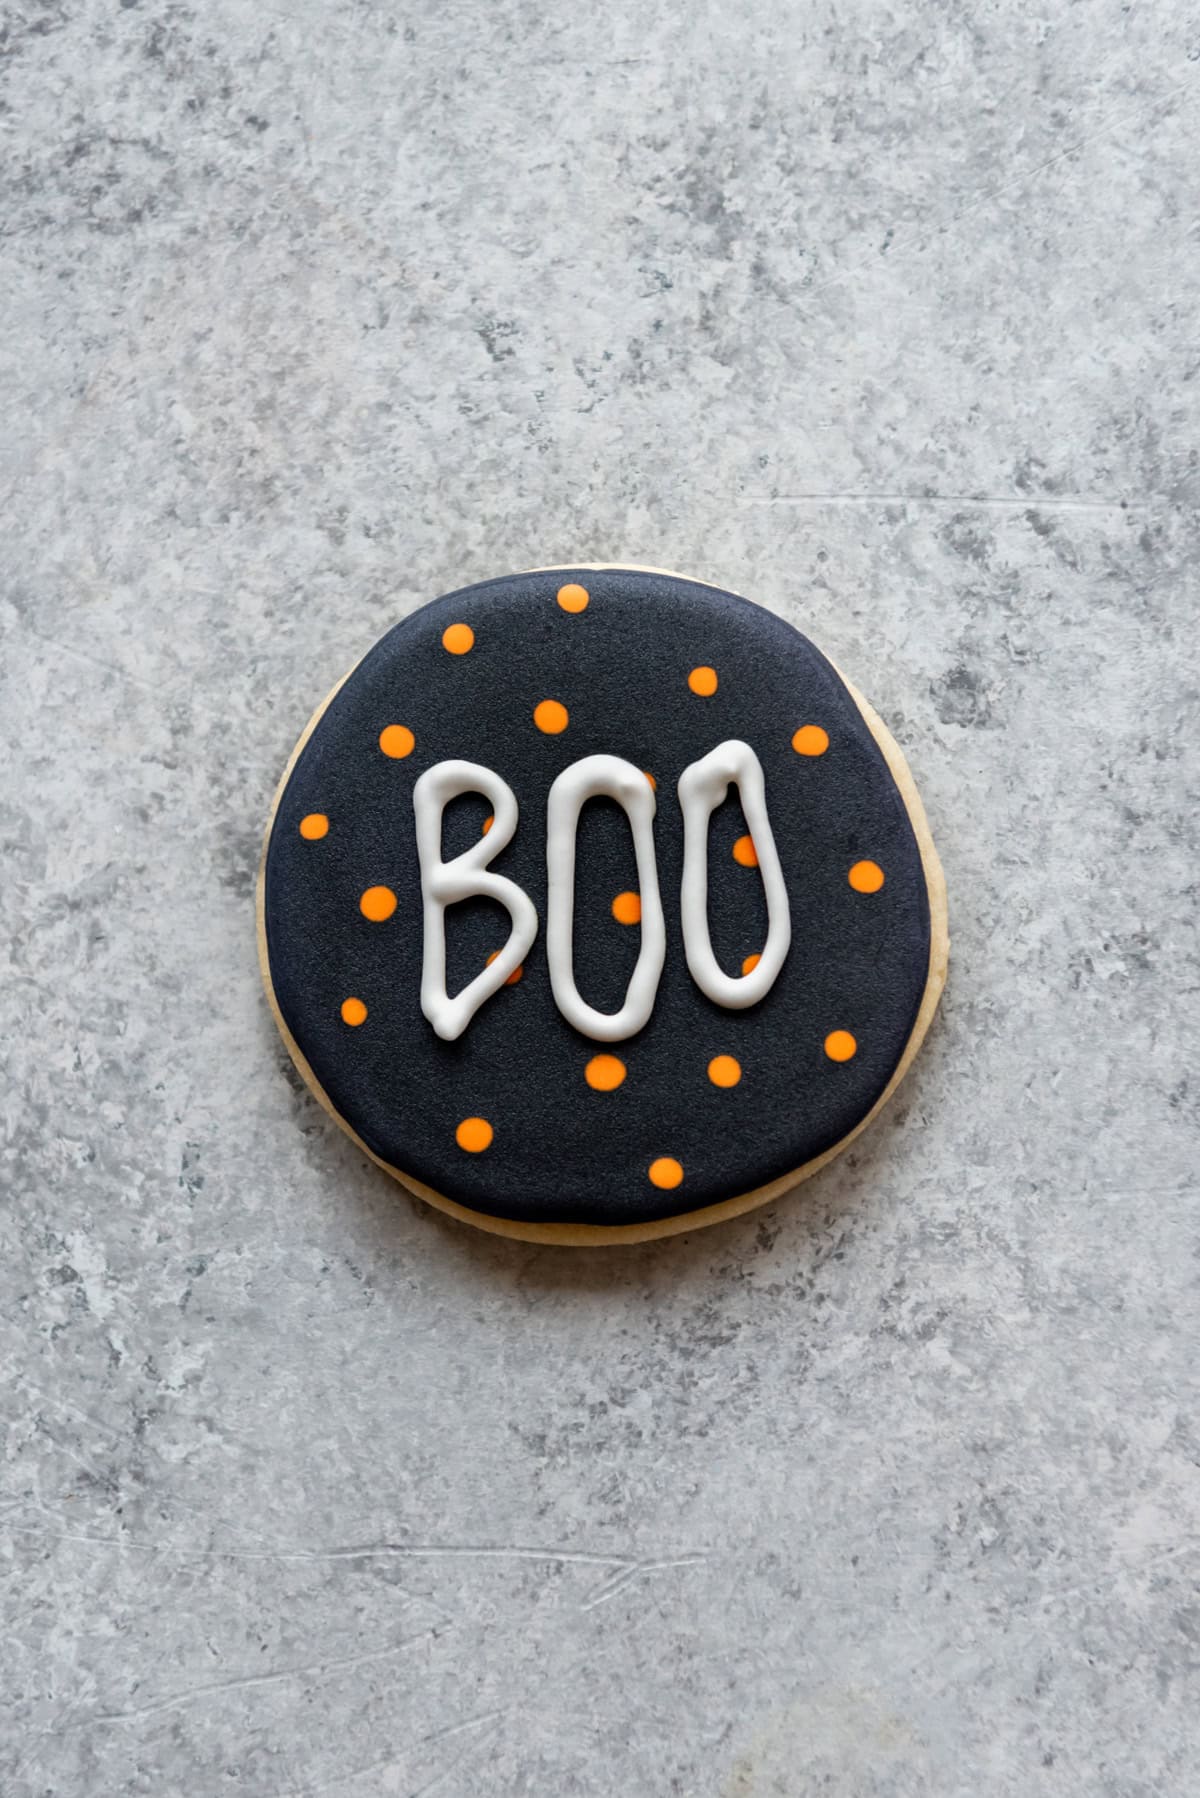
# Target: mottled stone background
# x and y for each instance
(886, 314)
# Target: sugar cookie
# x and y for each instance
(596, 905)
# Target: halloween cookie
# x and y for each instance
(597, 905)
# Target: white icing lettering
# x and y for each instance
(594, 777)
(702, 787)
(466, 877)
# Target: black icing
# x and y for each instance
(562, 1152)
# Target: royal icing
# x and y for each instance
(465, 876)
(702, 787)
(595, 777)
(555, 1015)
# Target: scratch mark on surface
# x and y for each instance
(251, 1681)
(57, 1403)
(465, 1753)
(626, 1576)
(64, 1448)
(414, 1551)
(994, 501)
(94, 661)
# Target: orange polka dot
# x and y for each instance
(627, 908)
(573, 597)
(353, 1011)
(378, 904)
(744, 853)
(653, 782)
(474, 1135)
(810, 739)
(665, 1172)
(516, 973)
(397, 741)
(866, 877)
(550, 715)
(487, 824)
(840, 1045)
(458, 639)
(750, 963)
(703, 681)
(604, 1073)
(724, 1070)
(314, 827)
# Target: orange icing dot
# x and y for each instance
(474, 1135)
(866, 877)
(703, 681)
(810, 739)
(487, 823)
(750, 963)
(653, 782)
(665, 1172)
(516, 973)
(353, 1011)
(458, 639)
(724, 1070)
(314, 827)
(627, 908)
(550, 715)
(378, 904)
(840, 1045)
(604, 1073)
(744, 853)
(397, 741)
(573, 597)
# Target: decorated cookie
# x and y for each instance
(596, 904)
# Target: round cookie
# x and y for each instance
(596, 905)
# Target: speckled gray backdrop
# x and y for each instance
(884, 313)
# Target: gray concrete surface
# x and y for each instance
(886, 315)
